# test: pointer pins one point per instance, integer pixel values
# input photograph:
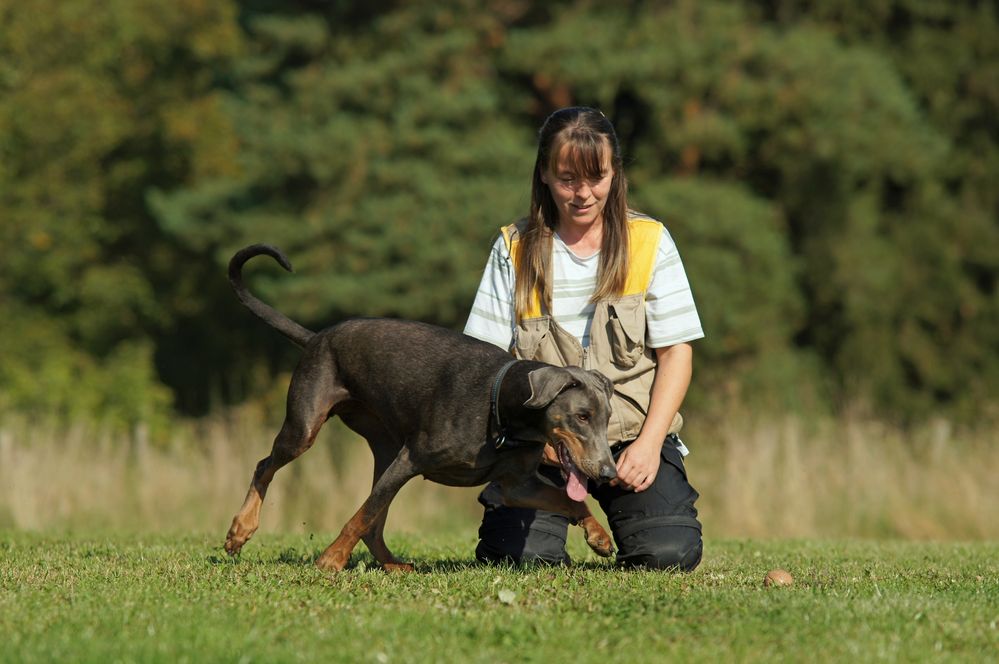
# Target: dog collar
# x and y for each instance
(498, 435)
(500, 438)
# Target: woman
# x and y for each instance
(585, 281)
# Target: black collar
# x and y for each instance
(498, 435)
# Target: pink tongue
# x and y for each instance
(576, 486)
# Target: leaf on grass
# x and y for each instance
(506, 596)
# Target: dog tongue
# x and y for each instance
(576, 484)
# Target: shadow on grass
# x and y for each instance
(365, 561)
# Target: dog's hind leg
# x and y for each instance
(305, 416)
(291, 442)
(366, 520)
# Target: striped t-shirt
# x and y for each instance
(670, 314)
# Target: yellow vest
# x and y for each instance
(617, 347)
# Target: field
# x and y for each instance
(110, 550)
(156, 598)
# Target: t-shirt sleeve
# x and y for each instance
(670, 312)
(492, 315)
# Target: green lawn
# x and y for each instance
(154, 598)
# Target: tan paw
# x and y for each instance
(602, 546)
(597, 538)
(236, 537)
(333, 561)
(398, 568)
(232, 546)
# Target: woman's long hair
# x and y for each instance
(587, 133)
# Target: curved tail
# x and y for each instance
(286, 326)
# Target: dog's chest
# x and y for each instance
(488, 465)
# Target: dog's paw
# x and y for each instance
(233, 543)
(601, 545)
(237, 536)
(597, 538)
(398, 568)
(333, 560)
(232, 547)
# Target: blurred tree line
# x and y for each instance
(829, 170)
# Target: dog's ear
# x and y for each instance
(605, 383)
(546, 384)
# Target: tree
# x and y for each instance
(96, 103)
(382, 161)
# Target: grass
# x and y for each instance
(70, 594)
(156, 598)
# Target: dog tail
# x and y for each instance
(286, 326)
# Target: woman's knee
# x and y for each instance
(678, 547)
(520, 536)
(534, 549)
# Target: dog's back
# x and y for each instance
(396, 368)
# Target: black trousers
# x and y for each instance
(656, 528)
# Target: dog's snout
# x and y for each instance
(607, 472)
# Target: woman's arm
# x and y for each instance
(639, 463)
(492, 318)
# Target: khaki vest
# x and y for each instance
(618, 346)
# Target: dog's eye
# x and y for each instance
(583, 417)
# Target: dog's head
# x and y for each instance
(576, 405)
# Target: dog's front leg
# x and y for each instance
(535, 494)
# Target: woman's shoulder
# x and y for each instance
(512, 233)
(517, 227)
(645, 228)
(640, 219)
(636, 215)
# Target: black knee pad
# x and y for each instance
(670, 547)
(521, 536)
(511, 553)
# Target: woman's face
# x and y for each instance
(580, 197)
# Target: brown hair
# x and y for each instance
(587, 133)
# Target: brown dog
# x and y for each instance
(435, 403)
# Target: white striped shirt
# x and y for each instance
(670, 313)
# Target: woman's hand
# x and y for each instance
(638, 465)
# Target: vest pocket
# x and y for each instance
(530, 334)
(626, 333)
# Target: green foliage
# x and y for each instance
(735, 250)
(827, 168)
(97, 102)
(944, 225)
(382, 172)
(45, 377)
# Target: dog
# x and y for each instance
(436, 403)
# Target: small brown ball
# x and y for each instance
(778, 577)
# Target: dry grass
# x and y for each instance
(82, 478)
(853, 478)
(784, 478)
